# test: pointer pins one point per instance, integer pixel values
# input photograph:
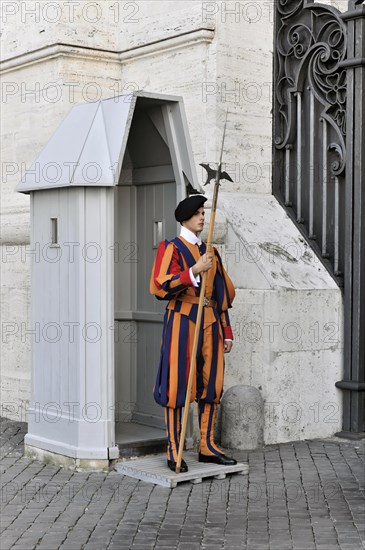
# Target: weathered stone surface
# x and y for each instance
(242, 418)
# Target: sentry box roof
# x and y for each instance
(88, 147)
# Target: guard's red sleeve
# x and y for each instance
(167, 278)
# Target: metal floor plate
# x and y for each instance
(154, 469)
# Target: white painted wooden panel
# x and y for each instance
(72, 408)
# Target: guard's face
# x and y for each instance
(196, 222)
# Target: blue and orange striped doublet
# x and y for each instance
(170, 280)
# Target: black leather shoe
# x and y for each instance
(172, 465)
(218, 459)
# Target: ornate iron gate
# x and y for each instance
(319, 158)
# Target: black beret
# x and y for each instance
(187, 207)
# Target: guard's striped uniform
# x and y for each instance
(170, 280)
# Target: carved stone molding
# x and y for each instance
(69, 50)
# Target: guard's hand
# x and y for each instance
(204, 263)
(227, 346)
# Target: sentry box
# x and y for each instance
(102, 196)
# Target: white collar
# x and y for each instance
(190, 236)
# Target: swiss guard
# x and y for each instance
(175, 277)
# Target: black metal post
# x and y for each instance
(353, 384)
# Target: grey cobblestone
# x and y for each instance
(302, 495)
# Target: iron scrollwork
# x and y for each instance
(311, 42)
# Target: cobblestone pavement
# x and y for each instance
(301, 495)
